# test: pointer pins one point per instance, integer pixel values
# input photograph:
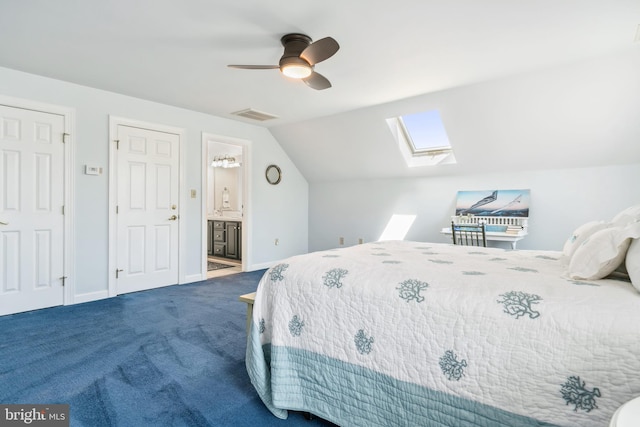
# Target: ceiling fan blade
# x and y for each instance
(320, 50)
(254, 67)
(317, 81)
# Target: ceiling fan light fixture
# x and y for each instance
(296, 71)
(299, 59)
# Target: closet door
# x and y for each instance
(31, 209)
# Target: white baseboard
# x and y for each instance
(90, 296)
(254, 267)
(193, 278)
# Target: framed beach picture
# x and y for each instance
(499, 203)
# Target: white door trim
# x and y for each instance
(69, 183)
(114, 122)
(246, 197)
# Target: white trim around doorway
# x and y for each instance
(114, 122)
(246, 197)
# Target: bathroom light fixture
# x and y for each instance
(225, 161)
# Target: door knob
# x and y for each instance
(173, 218)
(4, 223)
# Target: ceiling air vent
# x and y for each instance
(254, 115)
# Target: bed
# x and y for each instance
(426, 334)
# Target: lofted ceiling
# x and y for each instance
(177, 52)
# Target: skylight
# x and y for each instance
(425, 131)
(422, 138)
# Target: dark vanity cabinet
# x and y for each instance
(219, 239)
(233, 240)
(225, 239)
(209, 237)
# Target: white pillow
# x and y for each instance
(580, 235)
(627, 216)
(633, 263)
(602, 252)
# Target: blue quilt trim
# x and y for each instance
(352, 395)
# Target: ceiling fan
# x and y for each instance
(299, 58)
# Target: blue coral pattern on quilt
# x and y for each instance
(574, 392)
(295, 326)
(524, 269)
(518, 304)
(441, 261)
(410, 290)
(275, 274)
(580, 283)
(333, 277)
(363, 343)
(451, 366)
(473, 273)
(550, 258)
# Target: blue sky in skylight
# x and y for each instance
(426, 130)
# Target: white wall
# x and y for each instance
(561, 200)
(229, 178)
(275, 211)
(570, 134)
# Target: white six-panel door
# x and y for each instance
(31, 209)
(147, 209)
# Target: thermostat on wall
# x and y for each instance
(92, 170)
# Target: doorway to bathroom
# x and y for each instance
(225, 207)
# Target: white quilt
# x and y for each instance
(408, 333)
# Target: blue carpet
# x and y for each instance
(167, 357)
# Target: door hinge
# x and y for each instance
(116, 209)
(62, 209)
(63, 278)
(64, 137)
(117, 273)
(117, 141)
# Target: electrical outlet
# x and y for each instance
(341, 240)
(193, 194)
(276, 242)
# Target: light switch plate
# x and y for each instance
(92, 170)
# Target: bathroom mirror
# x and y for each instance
(273, 174)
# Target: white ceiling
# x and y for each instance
(176, 52)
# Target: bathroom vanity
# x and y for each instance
(225, 238)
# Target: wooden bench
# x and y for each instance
(248, 299)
